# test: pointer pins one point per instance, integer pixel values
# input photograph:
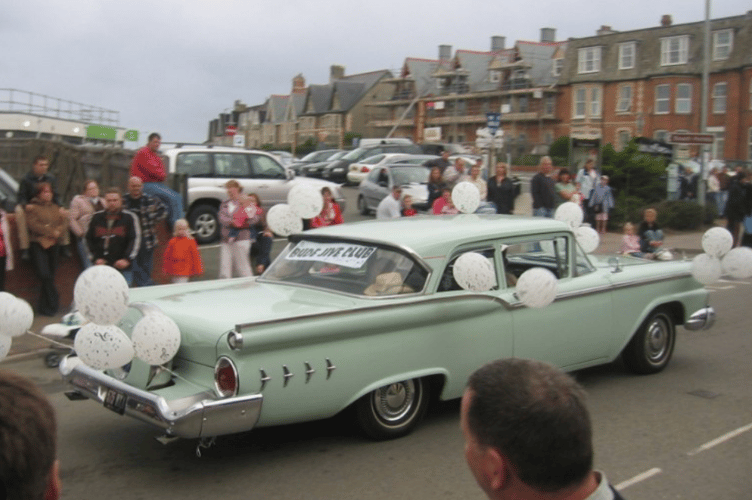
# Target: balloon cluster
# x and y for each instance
(16, 317)
(586, 236)
(719, 257)
(303, 202)
(101, 295)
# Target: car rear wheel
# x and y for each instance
(394, 410)
(651, 348)
(205, 223)
(362, 207)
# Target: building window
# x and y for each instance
(580, 97)
(683, 99)
(494, 76)
(719, 98)
(523, 104)
(719, 142)
(595, 102)
(662, 99)
(589, 60)
(622, 139)
(624, 102)
(549, 105)
(558, 65)
(660, 135)
(674, 50)
(722, 44)
(627, 55)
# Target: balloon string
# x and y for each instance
(47, 339)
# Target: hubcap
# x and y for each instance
(657, 340)
(205, 225)
(394, 401)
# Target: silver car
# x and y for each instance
(208, 169)
(379, 183)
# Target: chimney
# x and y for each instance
(336, 72)
(605, 30)
(497, 43)
(298, 84)
(666, 20)
(548, 35)
(445, 52)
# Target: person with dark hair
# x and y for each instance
(330, 211)
(114, 235)
(82, 208)
(501, 190)
(435, 186)
(528, 434)
(739, 203)
(441, 163)
(261, 248)
(46, 224)
(28, 442)
(27, 190)
(148, 166)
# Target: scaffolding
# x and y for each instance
(22, 101)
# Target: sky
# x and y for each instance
(171, 66)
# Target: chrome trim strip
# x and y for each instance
(287, 375)
(196, 416)
(329, 368)
(264, 379)
(309, 371)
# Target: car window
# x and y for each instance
(581, 262)
(549, 253)
(373, 159)
(231, 165)
(355, 154)
(448, 283)
(265, 168)
(409, 175)
(373, 176)
(348, 267)
(194, 164)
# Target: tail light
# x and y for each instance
(225, 378)
(365, 170)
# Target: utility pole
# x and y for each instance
(704, 105)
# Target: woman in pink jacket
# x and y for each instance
(82, 207)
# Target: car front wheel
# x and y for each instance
(205, 223)
(651, 348)
(394, 410)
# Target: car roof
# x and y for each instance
(207, 149)
(433, 236)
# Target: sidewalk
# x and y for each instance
(686, 244)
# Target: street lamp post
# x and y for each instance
(704, 106)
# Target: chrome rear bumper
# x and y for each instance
(701, 320)
(197, 416)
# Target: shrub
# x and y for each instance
(527, 160)
(560, 149)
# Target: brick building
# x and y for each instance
(648, 82)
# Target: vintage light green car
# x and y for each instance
(368, 316)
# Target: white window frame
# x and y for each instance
(589, 60)
(683, 105)
(660, 101)
(722, 51)
(579, 101)
(558, 66)
(623, 102)
(719, 142)
(494, 76)
(595, 102)
(623, 144)
(671, 55)
(627, 55)
(719, 98)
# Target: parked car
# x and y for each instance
(368, 316)
(208, 170)
(284, 157)
(358, 171)
(379, 183)
(313, 157)
(8, 191)
(337, 170)
(315, 169)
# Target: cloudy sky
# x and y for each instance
(173, 65)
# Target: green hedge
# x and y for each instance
(680, 215)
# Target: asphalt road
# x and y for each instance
(650, 438)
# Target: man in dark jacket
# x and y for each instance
(739, 203)
(27, 189)
(114, 235)
(543, 190)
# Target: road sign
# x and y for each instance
(131, 135)
(493, 120)
(231, 130)
(690, 138)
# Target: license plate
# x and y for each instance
(115, 401)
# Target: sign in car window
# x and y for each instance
(342, 254)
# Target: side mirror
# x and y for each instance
(290, 174)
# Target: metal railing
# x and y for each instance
(22, 101)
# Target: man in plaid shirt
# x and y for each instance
(149, 210)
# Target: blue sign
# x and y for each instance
(493, 120)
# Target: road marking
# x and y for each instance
(722, 439)
(638, 478)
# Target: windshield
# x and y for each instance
(354, 154)
(348, 267)
(409, 175)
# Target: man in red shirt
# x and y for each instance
(147, 165)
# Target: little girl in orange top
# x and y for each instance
(181, 259)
